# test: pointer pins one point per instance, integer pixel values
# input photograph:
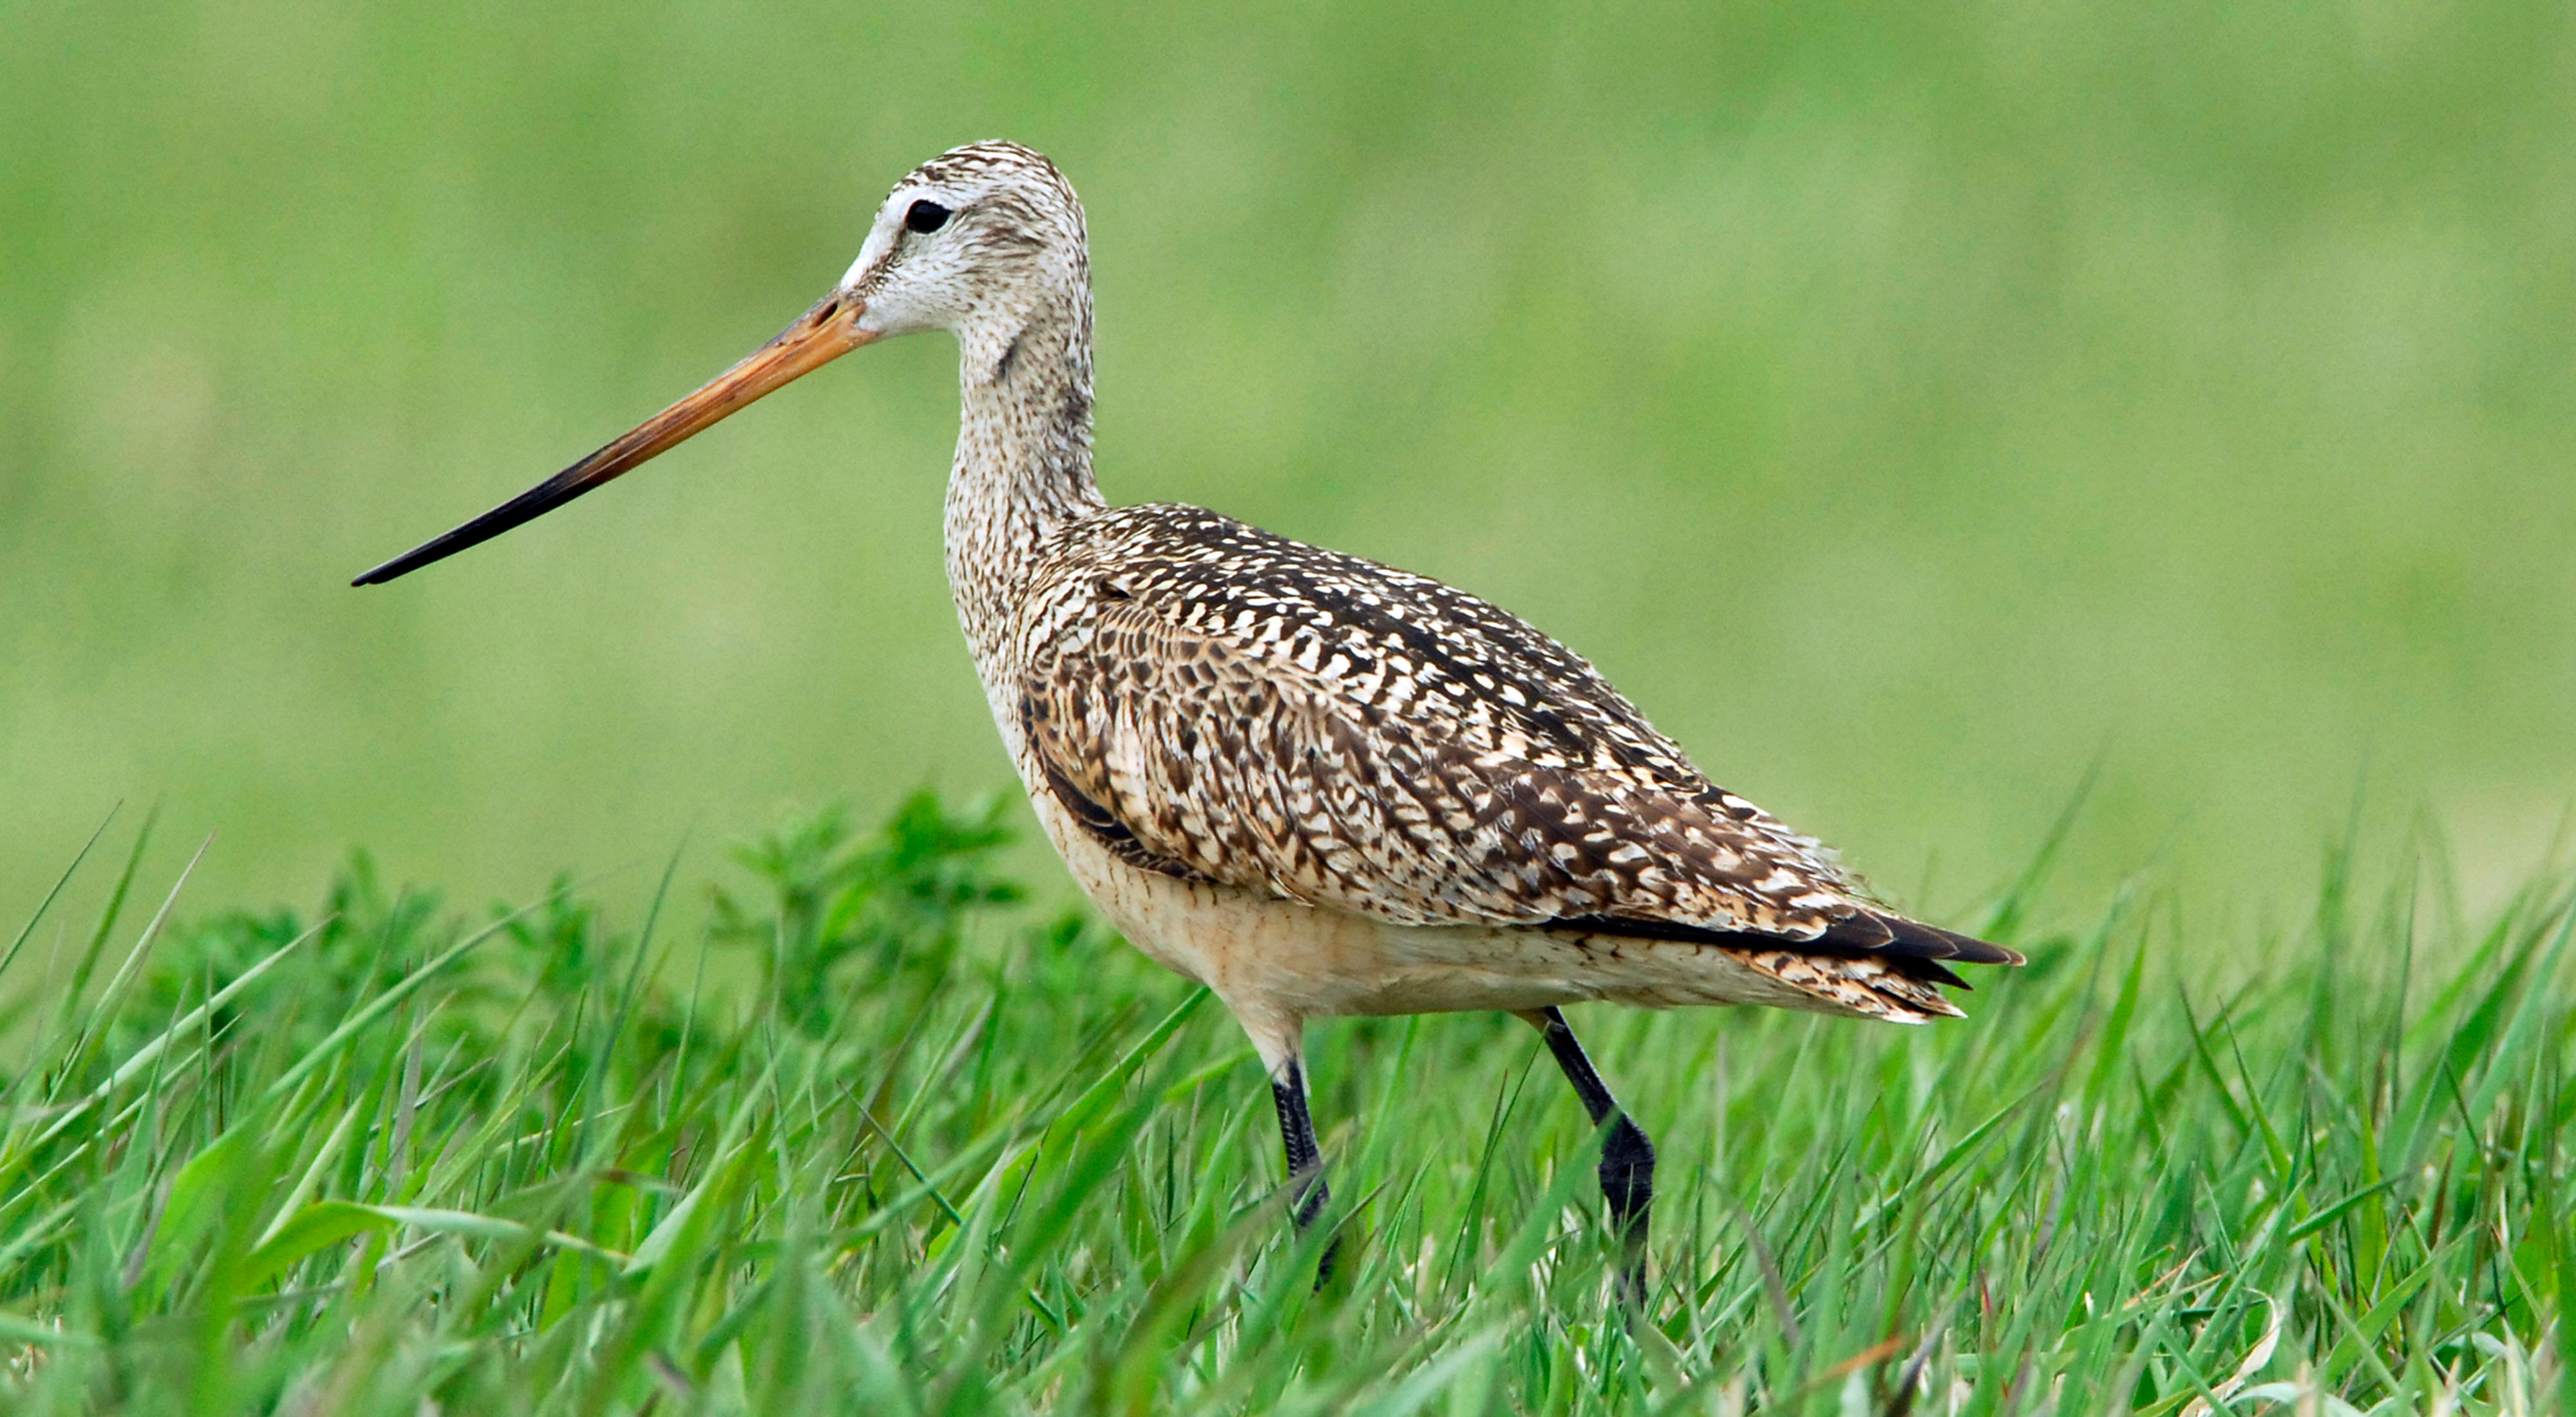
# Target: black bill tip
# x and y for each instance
(527, 506)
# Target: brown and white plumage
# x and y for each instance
(1213, 702)
(1314, 783)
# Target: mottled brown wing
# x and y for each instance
(1255, 740)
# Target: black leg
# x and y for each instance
(1627, 1158)
(1305, 1158)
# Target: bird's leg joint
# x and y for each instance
(1628, 1176)
(1627, 1157)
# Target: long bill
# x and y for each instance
(818, 337)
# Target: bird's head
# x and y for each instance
(979, 240)
(985, 241)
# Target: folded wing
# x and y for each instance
(1218, 703)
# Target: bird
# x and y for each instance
(1317, 785)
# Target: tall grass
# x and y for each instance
(879, 1143)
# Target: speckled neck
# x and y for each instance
(1023, 464)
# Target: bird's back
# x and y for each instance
(1217, 703)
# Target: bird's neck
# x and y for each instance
(1023, 464)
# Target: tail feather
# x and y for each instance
(1887, 933)
(1919, 950)
(1871, 986)
(1874, 963)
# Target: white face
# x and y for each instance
(976, 241)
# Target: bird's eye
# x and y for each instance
(926, 217)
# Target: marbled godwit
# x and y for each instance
(1317, 785)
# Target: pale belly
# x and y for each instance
(1276, 963)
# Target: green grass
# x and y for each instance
(881, 1141)
(1908, 402)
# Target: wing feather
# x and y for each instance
(1222, 704)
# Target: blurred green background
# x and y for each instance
(1908, 404)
